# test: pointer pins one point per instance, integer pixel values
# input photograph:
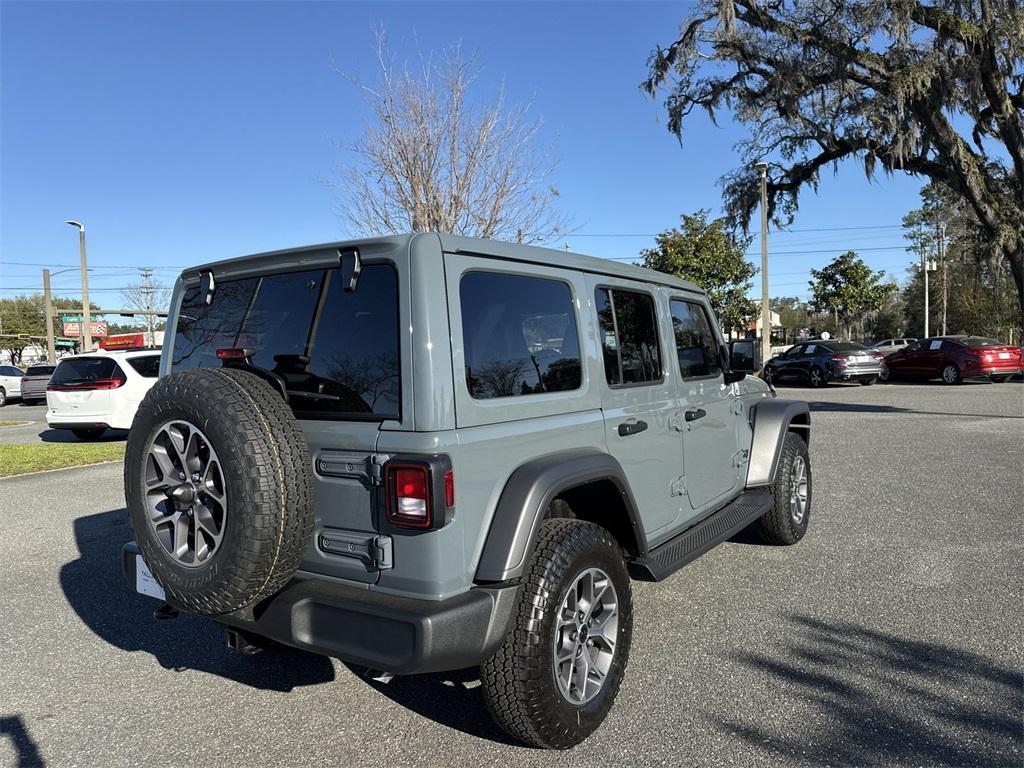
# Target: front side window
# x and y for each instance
(519, 335)
(696, 345)
(629, 336)
(334, 351)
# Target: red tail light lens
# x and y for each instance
(449, 489)
(409, 492)
(233, 353)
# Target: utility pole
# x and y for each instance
(766, 311)
(945, 274)
(86, 328)
(147, 292)
(51, 348)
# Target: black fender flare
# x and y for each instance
(771, 420)
(527, 494)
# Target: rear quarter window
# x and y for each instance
(39, 370)
(519, 335)
(147, 366)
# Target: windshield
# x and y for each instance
(39, 370)
(334, 351)
(978, 341)
(81, 370)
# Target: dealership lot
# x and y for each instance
(891, 635)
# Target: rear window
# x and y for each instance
(335, 351)
(842, 346)
(83, 370)
(978, 341)
(629, 337)
(519, 335)
(146, 365)
(39, 370)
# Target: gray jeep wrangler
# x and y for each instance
(424, 453)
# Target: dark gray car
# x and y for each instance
(818, 362)
(33, 384)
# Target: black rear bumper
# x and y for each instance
(394, 634)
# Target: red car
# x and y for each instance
(953, 359)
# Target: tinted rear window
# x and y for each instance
(519, 335)
(629, 336)
(82, 370)
(147, 365)
(40, 370)
(978, 341)
(335, 351)
(843, 346)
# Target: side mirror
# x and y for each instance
(731, 373)
(742, 356)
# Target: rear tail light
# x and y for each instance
(233, 353)
(837, 359)
(419, 494)
(112, 383)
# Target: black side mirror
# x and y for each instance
(731, 373)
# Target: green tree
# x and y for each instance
(934, 89)
(24, 321)
(848, 289)
(706, 253)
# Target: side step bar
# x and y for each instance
(684, 547)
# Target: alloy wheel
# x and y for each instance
(798, 490)
(185, 493)
(949, 374)
(586, 630)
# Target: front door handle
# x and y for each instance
(631, 428)
(699, 413)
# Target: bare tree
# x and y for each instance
(431, 160)
(147, 296)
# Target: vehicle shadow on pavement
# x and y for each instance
(67, 436)
(454, 699)
(25, 748)
(98, 593)
(880, 699)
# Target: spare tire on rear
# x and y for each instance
(219, 488)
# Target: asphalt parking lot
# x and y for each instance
(890, 636)
(34, 429)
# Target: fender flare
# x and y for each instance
(527, 494)
(771, 420)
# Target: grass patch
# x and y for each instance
(12, 423)
(35, 457)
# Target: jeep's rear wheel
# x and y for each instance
(219, 488)
(786, 521)
(556, 676)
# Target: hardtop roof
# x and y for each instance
(471, 245)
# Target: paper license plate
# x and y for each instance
(145, 584)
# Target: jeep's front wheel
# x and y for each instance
(554, 679)
(786, 521)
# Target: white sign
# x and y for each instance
(935, 344)
(145, 584)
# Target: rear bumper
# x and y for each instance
(63, 422)
(394, 634)
(851, 374)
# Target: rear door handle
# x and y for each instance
(631, 428)
(699, 413)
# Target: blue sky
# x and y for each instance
(181, 132)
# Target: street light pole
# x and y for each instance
(51, 347)
(766, 312)
(86, 327)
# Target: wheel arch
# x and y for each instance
(771, 420)
(582, 479)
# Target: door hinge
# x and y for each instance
(737, 406)
(374, 551)
(677, 422)
(741, 457)
(377, 461)
(678, 486)
(382, 552)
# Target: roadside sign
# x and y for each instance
(73, 328)
(123, 341)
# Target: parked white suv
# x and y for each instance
(92, 393)
(10, 383)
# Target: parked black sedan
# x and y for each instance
(818, 362)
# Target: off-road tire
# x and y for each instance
(950, 374)
(268, 482)
(519, 683)
(778, 525)
(821, 380)
(92, 433)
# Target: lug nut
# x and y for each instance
(590, 643)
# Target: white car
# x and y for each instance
(10, 383)
(92, 393)
(888, 346)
